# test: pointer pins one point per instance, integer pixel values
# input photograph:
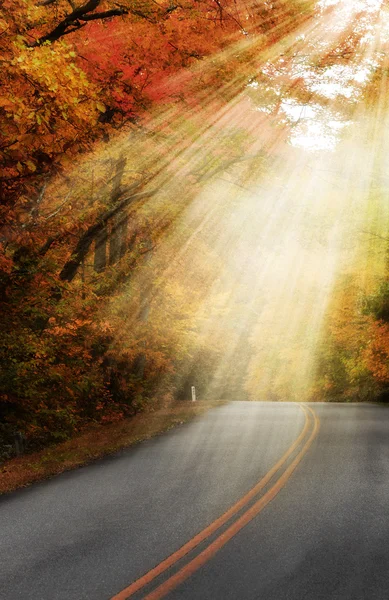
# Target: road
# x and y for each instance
(317, 528)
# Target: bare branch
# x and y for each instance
(376, 235)
(115, 12)
(56, 211)
(76, 19)
(46, 2)
(34, 211)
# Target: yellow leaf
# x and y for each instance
(100, 107)
(31, 165)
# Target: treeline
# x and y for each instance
(352, 361)
(91, 328)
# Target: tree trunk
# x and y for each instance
(123, 235)
(114, 241)
(100, 258)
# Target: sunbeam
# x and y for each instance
(234, 236)
(253, 193)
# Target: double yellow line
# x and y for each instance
(302, 444)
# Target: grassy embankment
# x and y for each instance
(95, 443)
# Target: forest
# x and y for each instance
(192, 192)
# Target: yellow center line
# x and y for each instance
(215, 525)
(195, 564)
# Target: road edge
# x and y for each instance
(96, 443)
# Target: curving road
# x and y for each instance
(309, 492)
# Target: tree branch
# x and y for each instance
(77, 19)
(70, 269)
(46, 2)
(115, 12)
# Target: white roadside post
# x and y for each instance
(193, 393)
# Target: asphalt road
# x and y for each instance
(321, 531)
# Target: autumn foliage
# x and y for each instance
(115, 118)
(78, 234)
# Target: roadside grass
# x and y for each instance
(96, 442)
